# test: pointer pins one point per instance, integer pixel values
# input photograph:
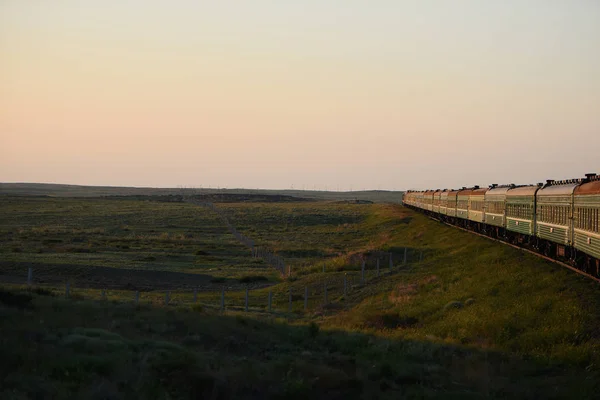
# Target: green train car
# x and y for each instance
(436, 201)
(462, 203)
(554, 216)
(451, 203)
(586, 223)
(520, 213)
(495, 208)
(477, 205)
(428, 200)
(444, 202)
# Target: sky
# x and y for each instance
(313, 94)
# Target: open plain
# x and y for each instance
(463, 317)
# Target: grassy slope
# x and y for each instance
(474, 319)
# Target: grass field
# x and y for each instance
(473, 319)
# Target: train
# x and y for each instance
(559, 219)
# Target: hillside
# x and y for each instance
(46, 189)
(472, 318)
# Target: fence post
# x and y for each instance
(195, 295)
(405, 254)
(137, 297)
(29, 275)
(377, 267)
(270, 300)
(325, 293)
(246, 307)
(345, 284)
(290, 303)
(67, 290)
(167, 297)
(223, 299)
(305, 298)
(362, 273)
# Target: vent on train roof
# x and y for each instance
(567, 181)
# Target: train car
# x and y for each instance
(412, 198)
(436, 202)
(477, 206)
(520, 212)
(462, 203)
(428, 199)
(419, 199)
(406, 196)
(586, 220)
(451, 203)
(495, 208)
(554, 216)
(444, 202)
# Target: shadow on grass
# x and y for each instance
(86, 349)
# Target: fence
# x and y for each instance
(332, 287)
(269, 257)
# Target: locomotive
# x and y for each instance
(558, 219)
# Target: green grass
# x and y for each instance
(58, 234)
(473, 319)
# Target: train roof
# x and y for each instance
(591, 186)
(522, 191)
(466, 191)
(560, 189)
(479, 192)
(498, 191)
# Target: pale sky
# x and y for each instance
(341, 94)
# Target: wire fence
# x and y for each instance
(267, 255)
(317, 291)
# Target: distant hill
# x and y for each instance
(60, 190)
